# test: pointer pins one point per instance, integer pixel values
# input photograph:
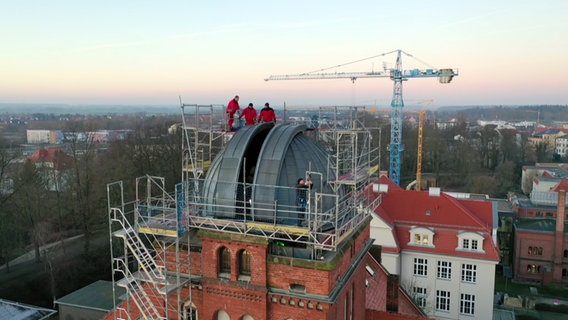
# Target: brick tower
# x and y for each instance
(234, 241)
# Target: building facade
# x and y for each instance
(541, 245)
(442, 248)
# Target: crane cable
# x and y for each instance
(372, 57)
(352, 62)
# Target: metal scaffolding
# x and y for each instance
(151, 236)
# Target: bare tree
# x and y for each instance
(30, 201)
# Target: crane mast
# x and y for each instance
(397, 75)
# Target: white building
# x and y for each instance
(443, 249)
(38, 136)
(562, 146)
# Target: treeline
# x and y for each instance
(465, 157)
(34, 213)
(459, 158)
(548, 114)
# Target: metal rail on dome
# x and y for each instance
(325, 223)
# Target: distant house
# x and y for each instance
(54, 165)
(547, 136)
(442, 248)
(542, 176)
(562, 146)
(44, 136)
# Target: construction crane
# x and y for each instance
(396, 74)
(419, 154)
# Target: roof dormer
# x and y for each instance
(470, 241)
(421, 236)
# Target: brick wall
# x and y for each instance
(210, 262)
(235, 300)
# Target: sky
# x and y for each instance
(163, 52)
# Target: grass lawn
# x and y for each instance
(506, 285)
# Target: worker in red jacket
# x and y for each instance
(250, 115)
(267, 114)
(232, 108)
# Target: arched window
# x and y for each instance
(540, 251)
(247, 317)
(244, 263)
(224, 260)
(530, 250)
(222, 315)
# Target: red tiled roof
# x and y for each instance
(56, 156)
(384, 179)
(376, 291)
(447, 215)
(562, 185)
(376, 295)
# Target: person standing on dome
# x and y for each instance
(232, 108)
(267, 114)
(250, 115)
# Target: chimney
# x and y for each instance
(434, 192)
(561, 211)
(559, 236)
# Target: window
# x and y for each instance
(533, 268)
(421, 239)
(419, 296)
(244, 263)
(565, 253)
(470, 241)
(420, 267)
(467, 304)
(224, 260)
(444, 270)
(469, 273)
(442, 300)
(535, 251)
(564, 273)
(420, 236)
(474, 245)
(190, 312)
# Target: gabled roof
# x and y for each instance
(446, 215)
(420, 208)
(562, 185)
(384, 179)
(56, 156)
(377, 291)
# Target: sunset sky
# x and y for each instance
(154, 52)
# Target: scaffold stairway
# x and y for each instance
(137, 292)
(141, 254)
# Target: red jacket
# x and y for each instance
(250, 115)
(233, 106)
(267, 115)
